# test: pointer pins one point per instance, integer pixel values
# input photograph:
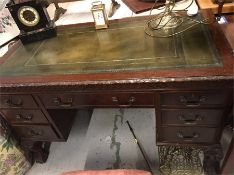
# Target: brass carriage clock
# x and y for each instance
(99, 15)
(32, 20)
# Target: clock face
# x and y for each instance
(99, 17)
(28, 16)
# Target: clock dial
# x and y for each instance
(99, 18)
(28, 16)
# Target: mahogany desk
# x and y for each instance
(188, 79)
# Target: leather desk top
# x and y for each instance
(123, 51)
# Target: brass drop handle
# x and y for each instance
(35, 133)
(61, 103)
(187, 137)
(12, 103)
(189, 121)
(131, 100)
(24, 117)
(192, 101)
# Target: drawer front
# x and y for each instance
(107, 99)
(193, 99)
(38, 132)
(187, 134)
(17, 101)
(24, 116)
(211, 117)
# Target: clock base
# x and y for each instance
(38, 35)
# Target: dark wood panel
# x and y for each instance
(102, 99)
(187, 134)
(208, 4)
(24, 116)
(228, 31)
(228, 167)
(137, 85)
(191, 117)
(63, 119)
(38, 132)
(195, 99)
(17, 101)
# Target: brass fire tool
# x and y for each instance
(141, 148)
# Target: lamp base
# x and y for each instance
(166, 21)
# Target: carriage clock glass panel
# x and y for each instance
(99, 18)
(99, 15)
(28, 16)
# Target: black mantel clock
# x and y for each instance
(32, 19)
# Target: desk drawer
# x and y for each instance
(102, 99)
(17, 101)
(38, 132)
(193, 99)
(211, 117)
(24, 116)
(187, 134)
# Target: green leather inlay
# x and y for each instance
(123, 46)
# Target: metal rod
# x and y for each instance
(140, 147)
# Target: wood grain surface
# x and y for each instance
(208, 4)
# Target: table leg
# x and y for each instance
(212, 157)
(39, 150)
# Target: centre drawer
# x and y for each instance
(210, 117)
(98, 99)
(24, 116)
(187, 134)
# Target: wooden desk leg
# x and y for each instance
(39, 150)
(212, 156)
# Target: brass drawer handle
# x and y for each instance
(190, 121)
(58, 101)
(28, 117)
(32, 132)
(10, 103)
(180, 135)
(131, 100)
(192, 101)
